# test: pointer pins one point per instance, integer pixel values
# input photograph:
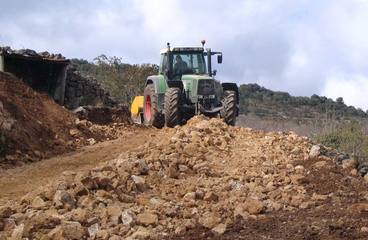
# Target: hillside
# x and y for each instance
(263, 102)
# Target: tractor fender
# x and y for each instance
(153, 80)
(175, 84)
(231, 87)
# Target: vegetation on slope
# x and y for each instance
(264, 102)
(122, 80)
(349, 137)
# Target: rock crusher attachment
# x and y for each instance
(136, 109)
(184, 87)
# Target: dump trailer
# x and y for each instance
(184, 87)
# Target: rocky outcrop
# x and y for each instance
(81, 91)
(29, 53)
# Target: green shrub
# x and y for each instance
(123, 81)
(349, 138)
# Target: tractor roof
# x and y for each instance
(183, 49)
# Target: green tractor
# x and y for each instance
(184, 87)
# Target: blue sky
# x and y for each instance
(303, 47)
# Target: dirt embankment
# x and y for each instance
(204, 180)
(16, 182)
(34, 127)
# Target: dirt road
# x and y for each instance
(16, 182)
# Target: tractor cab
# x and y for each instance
(179, 61)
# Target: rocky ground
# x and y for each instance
(204, 180)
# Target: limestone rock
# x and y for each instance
(219, 229)
(17, 232)
(91, 141)
(140, 183)
(240, 212)
(140, 234)
(38, 203)
(366, 177)
(315, 151)
(63, 198)
(320, 164)
(189, 196)
(93, 230)
(141, 167)
(209, 220)
(253, 206)
(147, 219)
(128, 218)
(68, 230)
(210, 196)
(349, 163)
(79, 215)
(299, 169)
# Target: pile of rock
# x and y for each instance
(87, 133)
(81, 91)
(31, 53)
(202, 174)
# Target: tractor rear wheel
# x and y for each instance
(172, 107)
(229, 110)
(151, 115)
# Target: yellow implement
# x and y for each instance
(136, 109)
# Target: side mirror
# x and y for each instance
(219, 58)
(214, 72)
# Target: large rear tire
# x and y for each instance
(151, 115)
(172, 107)
(229, 110)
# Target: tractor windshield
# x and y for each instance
(189, 63)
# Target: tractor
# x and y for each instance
(184, 87)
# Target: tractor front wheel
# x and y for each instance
(172, 107)
(151, 115)
(229, 110)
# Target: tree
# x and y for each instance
(123, 81)
(340, 100)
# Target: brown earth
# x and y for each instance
(16, 182)
(34, 127)
(204, 180)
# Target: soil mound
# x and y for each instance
(204, 180)
(33, 126)
(104, 115)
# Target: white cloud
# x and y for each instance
(284, 45)
(353, 89)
